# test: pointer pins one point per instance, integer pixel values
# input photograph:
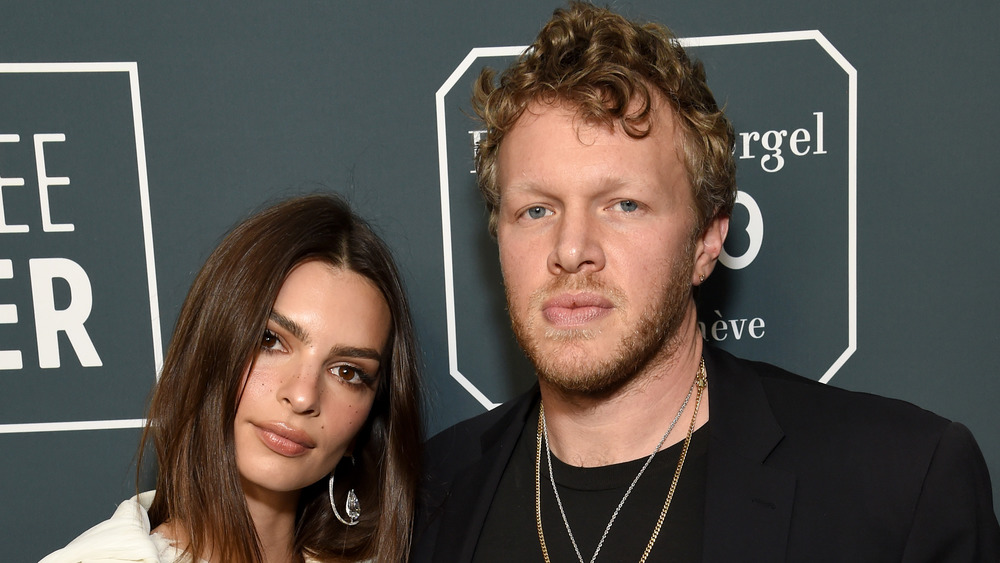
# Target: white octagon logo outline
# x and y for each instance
(709, 41)
(132, 69)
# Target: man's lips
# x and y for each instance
(568, 310)
(283, 439)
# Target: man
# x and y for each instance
(608, 174)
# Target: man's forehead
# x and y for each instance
(659, 120)
(662, 148)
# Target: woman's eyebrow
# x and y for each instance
(356, 352)
(337, 351)
(291, 326)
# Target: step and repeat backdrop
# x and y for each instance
(863, 251)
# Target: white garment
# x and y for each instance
(123, 537)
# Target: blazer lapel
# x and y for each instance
(748, 505)
(472, 492)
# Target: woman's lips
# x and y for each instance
(284, 440)
(569, 310)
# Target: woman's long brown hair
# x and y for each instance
(217, 336)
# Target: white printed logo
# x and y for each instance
(78, 305)
(797, 177)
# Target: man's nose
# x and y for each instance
(577, 246)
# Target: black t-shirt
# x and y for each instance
(589, 497)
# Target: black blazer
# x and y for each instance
(797, 471)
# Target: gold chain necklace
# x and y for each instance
(701, 382)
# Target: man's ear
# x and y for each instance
(707, 249)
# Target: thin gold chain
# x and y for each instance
(538, 491)
(701, 381)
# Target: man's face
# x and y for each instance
(596, 246)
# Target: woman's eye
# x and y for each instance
(351, 374)
(627, 205)
(270, 341)
(536, 212)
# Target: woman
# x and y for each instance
(288, 400)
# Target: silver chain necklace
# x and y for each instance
(548, 457)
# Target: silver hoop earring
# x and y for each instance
(352, 507)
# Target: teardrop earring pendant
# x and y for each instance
(352, 507)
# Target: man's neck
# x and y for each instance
(589, 432)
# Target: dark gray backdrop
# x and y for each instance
(243, 104)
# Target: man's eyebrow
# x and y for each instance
(291, 326)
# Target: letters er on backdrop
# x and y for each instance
(608, 173)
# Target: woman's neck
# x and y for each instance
(273, 516)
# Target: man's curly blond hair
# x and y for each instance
(611, 69)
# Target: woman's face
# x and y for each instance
(313, 382)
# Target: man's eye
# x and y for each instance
(536, 212)
(627, 205)
(351, 374)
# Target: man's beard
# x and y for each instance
(653, 336)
